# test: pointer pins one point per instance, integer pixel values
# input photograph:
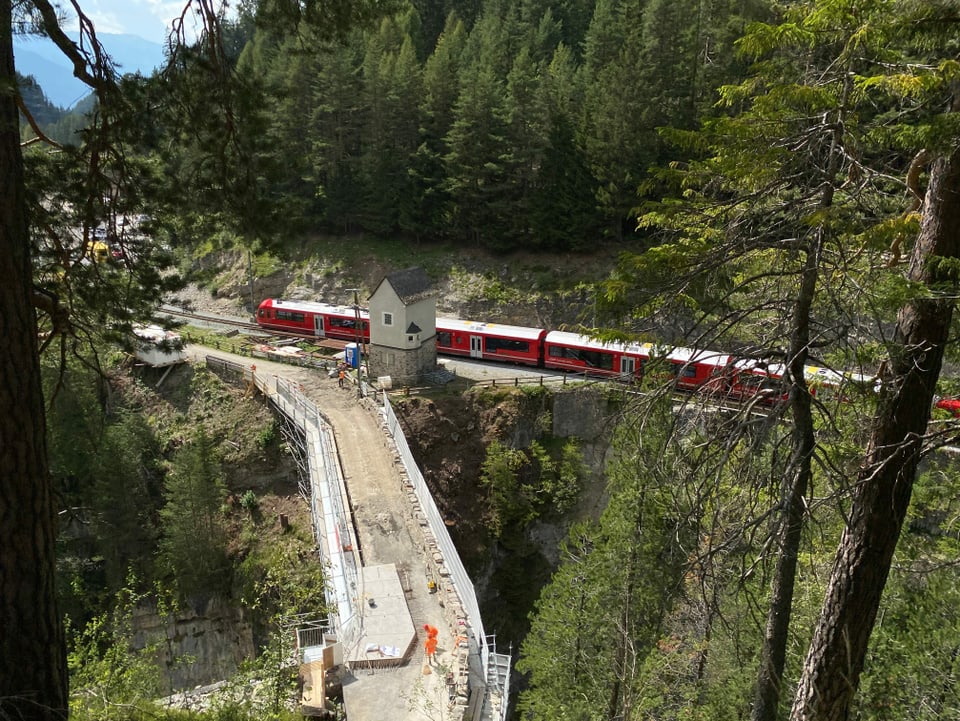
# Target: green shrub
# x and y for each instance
(249, 502)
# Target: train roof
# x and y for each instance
(472, 326)
(676, 355)
(815, 374)
(774, 369)
(562, 337)
(812, 374)
(310, 306)
(692, 355)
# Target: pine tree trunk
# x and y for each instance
(831, 672)
(33, 673)
(773, 653)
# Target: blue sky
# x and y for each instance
(148, 19)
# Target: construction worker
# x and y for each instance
(341, 377)
(430, 646)
(432, 631)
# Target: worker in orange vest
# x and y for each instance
(430, 646)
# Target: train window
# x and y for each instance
(443, 339)
(492, 345)
(596, 359)
(343, 323)
(291, 316)
(388, 318)
(687, 371)
(590, 358)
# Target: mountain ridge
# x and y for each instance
(40, 58)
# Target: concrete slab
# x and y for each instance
(387, 636)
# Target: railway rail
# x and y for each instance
(185, 314)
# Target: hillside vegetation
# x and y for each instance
(187, 536)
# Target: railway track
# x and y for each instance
(257, 335)
(209, 318)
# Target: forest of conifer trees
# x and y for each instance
(505, 125)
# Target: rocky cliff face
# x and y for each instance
(449, 434)
(197, 647)
(541, 292)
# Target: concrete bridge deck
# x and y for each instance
(393, 588)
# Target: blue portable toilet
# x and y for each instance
(351, 355)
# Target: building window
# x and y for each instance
(388, 318)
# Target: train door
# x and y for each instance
(318, 326)
(627, 366)
(476, 346)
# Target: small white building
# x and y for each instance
(403, 327)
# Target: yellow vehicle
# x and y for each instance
(99, 251)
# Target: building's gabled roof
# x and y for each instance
(410, 285)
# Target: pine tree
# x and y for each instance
(525, 144)
(598, 618)
(617, 144)
(563, 207)
(337, 129)
(392, 86)
(125, 499)
(430, 201)
(792, 181)
(476, 172)
(193, 541)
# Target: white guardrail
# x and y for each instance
(495, 667)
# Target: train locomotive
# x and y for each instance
(691, 370)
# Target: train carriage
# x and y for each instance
(750, 378)
(317, 319)
(697, 369)
(490, 341)
(582, 354)
(824, 383)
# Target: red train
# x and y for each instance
(317, 319)
(692, 370)
(490, 341)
